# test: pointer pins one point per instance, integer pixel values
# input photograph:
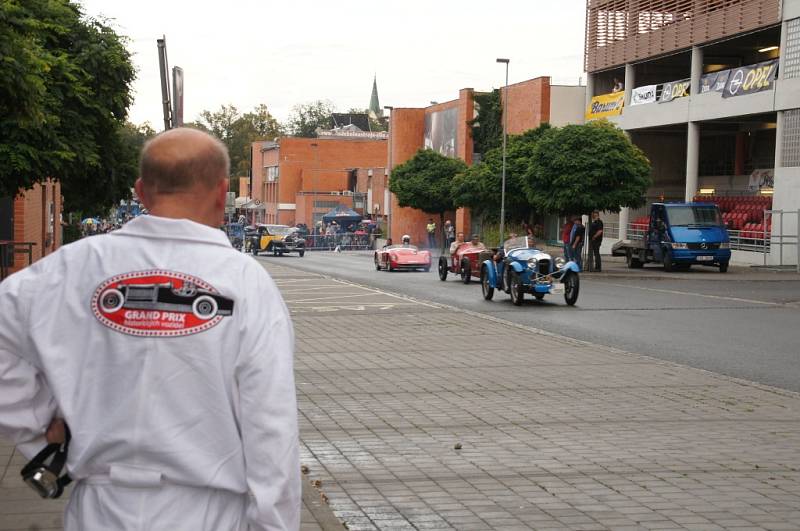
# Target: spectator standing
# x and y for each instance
(430, 228)
(576, 243)
(449, 233)
(566, 236)
(183, 419)
(595, 241)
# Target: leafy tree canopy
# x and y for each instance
(424, 181)
(580, 168)
(237, 131)
(65, 88)
(479, 187)
(307, 117)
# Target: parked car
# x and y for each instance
(397, 257)
(166, 297)
(466, 262)
(526, 269)
(277, 239)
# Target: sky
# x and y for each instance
(248, 52)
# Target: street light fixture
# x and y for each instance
(387, 195)
(505, 137)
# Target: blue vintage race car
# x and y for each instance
(525, 269)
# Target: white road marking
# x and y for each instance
(703, 295)
(332, 297)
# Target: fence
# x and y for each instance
(345, 241)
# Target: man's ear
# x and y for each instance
(222, 193)
(142, 194)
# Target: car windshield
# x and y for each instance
(280, 230)
(693, 216)
(412, 247)
(516, 243)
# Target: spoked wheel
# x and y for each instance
(572, 286)
(377, 263)
(486, 287)
(443, 268)
(466, 272)
(515, 288)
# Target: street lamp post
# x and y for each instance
(387, 194)
(505, 136)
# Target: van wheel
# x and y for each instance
(723, 267)
(668, 264)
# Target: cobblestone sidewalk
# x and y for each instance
(415, 416)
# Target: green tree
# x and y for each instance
(306, 118)
(238, 131)
(487, 126)
(580, 168)
(65, 88)
(424, 181)
(479, 187)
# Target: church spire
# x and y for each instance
(374, 105)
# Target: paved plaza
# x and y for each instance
(554, 433)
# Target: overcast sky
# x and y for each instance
(247, 52)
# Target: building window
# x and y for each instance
(791, 56)
(791, 138)
(270, 173)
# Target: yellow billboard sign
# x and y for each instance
(605, 105)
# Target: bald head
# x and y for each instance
(183, 160)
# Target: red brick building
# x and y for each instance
(445, 127)
(298, 180)
(32, 216)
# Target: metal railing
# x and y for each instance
(344, 241)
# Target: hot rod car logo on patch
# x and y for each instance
(159, 303)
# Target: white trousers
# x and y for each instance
(108, 507)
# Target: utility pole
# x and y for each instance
(505, 137)
(164, 68)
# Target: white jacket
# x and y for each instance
(169, 354)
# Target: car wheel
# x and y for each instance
(111, 300)
(466, 271)
(389, 266)
(301, 252)
(669, 265)
(204, 307)
(572, 286)
(377, 263)
(539, 296)
(723, 267)
(515, 288)
(443, 268)
(632, 261)
(486, 287)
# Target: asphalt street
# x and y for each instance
(734, 324)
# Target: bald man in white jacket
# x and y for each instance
(169, 356)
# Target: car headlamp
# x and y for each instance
(532, 262)
(560, 262)
(725, 245)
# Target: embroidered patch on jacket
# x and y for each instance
(159, 303)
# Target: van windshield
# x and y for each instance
(694, 216)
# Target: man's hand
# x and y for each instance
(56, 432)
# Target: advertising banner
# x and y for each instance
(673, 90)
(441, 131)
(714, 82)
(605, 105)
(642, 95)
(751, 79)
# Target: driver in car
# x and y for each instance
(459, 241)
(476, 242)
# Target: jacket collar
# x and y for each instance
(150, 226)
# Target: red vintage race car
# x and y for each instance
(407, 257)
(466, 262)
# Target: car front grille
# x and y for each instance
(703, 246)
(543, 267)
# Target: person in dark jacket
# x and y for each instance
(595, 241)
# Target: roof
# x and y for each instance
(360, 120)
